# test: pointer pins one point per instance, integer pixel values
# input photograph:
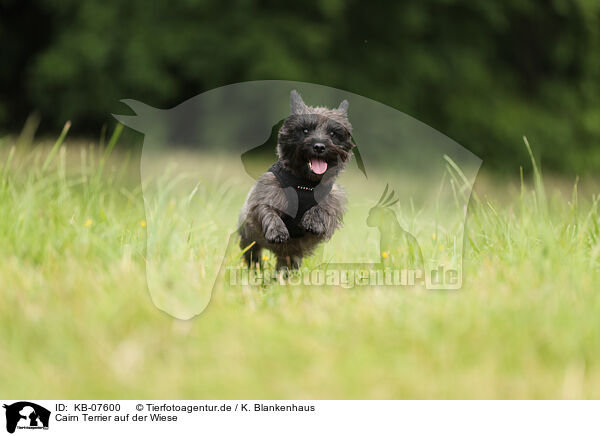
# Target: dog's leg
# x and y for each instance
(273, 227)
(319, 222)
(252, 254)
(249, 245)
(288, 262)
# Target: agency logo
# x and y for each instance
(26, 415)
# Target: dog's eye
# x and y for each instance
(305, 130)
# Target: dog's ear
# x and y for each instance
(343, 107)
(297, 105)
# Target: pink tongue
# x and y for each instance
(318, 166)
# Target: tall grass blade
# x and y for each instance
(56, 146)
(538, 181)
(111, 145)
(28, 133)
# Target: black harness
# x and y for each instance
(300, 192)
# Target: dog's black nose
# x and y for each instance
(319, 148)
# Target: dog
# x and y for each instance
(296, 204)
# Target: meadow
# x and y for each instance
(77, 320)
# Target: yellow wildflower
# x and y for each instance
(385, 254)
(143, 223)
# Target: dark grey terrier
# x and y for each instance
(296, 204)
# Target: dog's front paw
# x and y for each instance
(277, 234)
(313, 222)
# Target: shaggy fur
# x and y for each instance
(300, 139)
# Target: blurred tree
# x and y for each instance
(484, 73)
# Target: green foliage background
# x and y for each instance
(485, 73)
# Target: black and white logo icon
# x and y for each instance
(26, 415)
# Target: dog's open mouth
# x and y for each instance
(317, 166)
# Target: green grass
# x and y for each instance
(77, 320)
